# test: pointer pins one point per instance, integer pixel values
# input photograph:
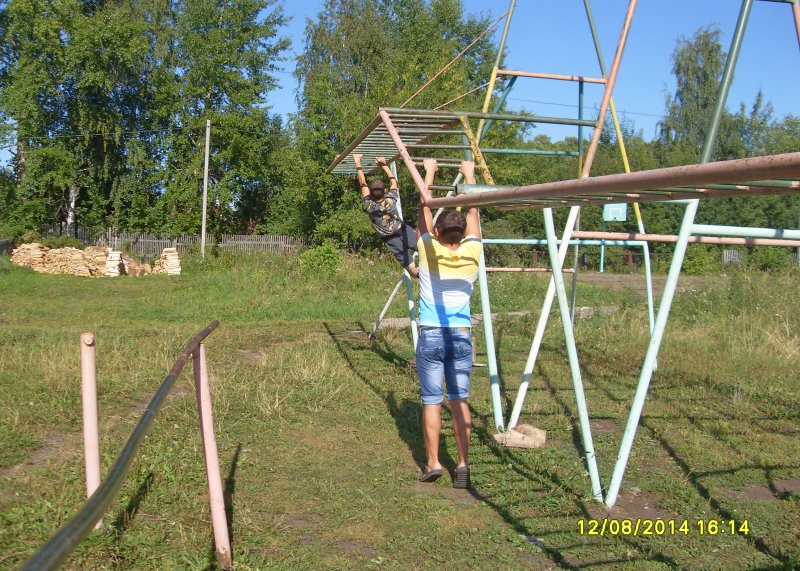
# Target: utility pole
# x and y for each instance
(205, 193)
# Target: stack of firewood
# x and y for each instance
(29, 256)
(93, 261)
(66, 261)
(113, 263)
(169, 263)
(96, 258)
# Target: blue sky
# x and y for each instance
(553, 36)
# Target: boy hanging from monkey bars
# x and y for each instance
(381, 206)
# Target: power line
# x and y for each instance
(624, 111)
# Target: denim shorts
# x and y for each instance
(444, 353)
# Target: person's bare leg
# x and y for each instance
(431, 429)
(462, 427)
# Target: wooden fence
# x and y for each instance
(148, 245)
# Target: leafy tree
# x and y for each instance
(364, 54)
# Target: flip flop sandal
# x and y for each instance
(461, 481)
(430, 475)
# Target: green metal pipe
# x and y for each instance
(744, 232)
(497, 107)
(675, 267)
(406, 276)
(572, 355)
(422, 113)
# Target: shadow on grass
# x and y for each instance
(787, 561)
(407, 414)
(230, 490)
(120, 524)
(693, 477)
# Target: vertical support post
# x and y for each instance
(406, 276)
(219, 521)
(574, 293)
(498, 60)
(491, 354)
(573, 215)
(205, 192)
(572, 354)
(573, 297)
(796, 11)
(497, 106)
(675, 267)
(91, 433)
(602, 248)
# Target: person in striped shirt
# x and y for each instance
(449, 251)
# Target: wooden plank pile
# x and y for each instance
(169, 263)
(29, 256)
(93, 261)
(66, 261)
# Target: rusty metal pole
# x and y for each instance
(91, 433)
(796, 10)
(219, 520)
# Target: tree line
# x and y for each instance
(103, 106)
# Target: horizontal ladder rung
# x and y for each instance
(514, 73)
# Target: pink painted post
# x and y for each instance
(219, 520)
(91, 436)
(796, 11)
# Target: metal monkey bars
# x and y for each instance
(397, 133)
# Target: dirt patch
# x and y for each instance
(255, 356)
(352, 547)
(779, 490)
(458, 497)
(791, 486)
(298, 520)
(630, 505)
(603, 426)
(58, 446)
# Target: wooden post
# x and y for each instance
(630, 262)
(219, 520)
(91, 436)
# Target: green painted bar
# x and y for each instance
(675, 267)
(572, 355)
(406, 113)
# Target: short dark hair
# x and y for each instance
(377, 184)
(451, 225)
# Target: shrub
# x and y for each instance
(770, 258)
(700, 260)
(62, 242)
(321, 260)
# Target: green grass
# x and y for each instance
(318, 428)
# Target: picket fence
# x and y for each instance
(148, 245)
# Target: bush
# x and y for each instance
(62, 242)
(700, 260)
(770, 258)
(321, 260)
